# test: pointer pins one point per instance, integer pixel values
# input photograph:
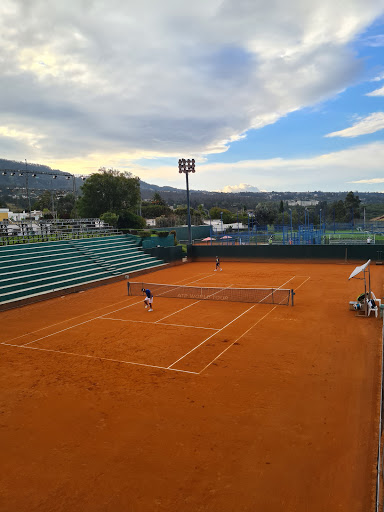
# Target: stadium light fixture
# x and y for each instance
(187, 166)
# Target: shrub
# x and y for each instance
(175, 241)
(163, 234)
(143, 234)
(128, 219)
(110, 218)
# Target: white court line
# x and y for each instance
(244, 333)
(114, 360)
(153, 323)
(212, 335)
(174, 313)
(302, 282)
(213, 360)
(84, 314)
(67, 320)
(76, 325)
(277, 289)
(81, 323)
(178, 311)
(96, 357)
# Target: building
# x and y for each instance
(4, 214)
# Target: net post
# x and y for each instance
(292, 294)
(128, 287)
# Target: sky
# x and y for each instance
(266, 95)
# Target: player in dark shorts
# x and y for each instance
(218, 264)
(148, 301)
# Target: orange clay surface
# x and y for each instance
(198, 406)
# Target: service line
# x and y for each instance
(97, 357)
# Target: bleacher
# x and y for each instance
(33, 270)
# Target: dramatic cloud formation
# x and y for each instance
(242, 187)
(370, 124)
(329, 172)
(92, 83)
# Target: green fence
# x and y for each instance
(156, 241)
(286, 252)
(166, 254)
(198, 232)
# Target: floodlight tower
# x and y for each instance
(187, 166)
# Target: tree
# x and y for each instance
(110, 218)
(65, 206)
(265, 213)
(44, 201)
(129, 220)
(152, 210)
(352, 204)
(228, 216)
(339, 209)
(157, 199)
(108, 191)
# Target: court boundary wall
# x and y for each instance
(285, 252)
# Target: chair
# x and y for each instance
(375, 309)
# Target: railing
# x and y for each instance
(52, 237)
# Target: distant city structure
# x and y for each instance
(301, 202)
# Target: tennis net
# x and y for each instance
(255, 295)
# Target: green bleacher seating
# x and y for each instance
(36, 269)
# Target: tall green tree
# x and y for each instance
(44, 201)
(157, 199)
(65, 206)
(108, 191)
(352, 203)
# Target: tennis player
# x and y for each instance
(148, 301)
(218, 264)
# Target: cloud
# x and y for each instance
(370, 124)
(124, 78)
(373, 180)
(378, 78)
(374, 41)
(376, 92)
(242, 187)
(333, 171)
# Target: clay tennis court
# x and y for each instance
(197, 406)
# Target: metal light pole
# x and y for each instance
(320, 220)
(290, 212)
(54, 177)
(187, 166)
(221, 217)
(26, 186)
